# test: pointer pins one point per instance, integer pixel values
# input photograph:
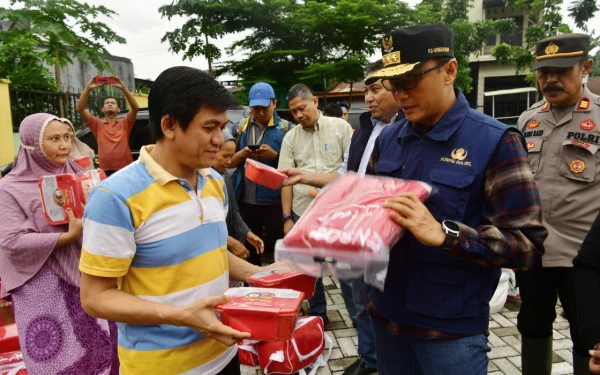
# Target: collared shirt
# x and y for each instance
(254, 135)
(142, 226)
(510, 228)
(321, 151)
(565, 160)
(113, 142)
(378, 126)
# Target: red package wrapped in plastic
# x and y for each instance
(264, 175)
(247, 353)
(267, 314)
(302, 350)
(288, 280)
(12, 363)
(349, 215)
(59, 192)
(9, 338)
(87, 180)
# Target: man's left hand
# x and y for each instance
(412, 214)
(265, 152)
(255, 241)
(118, 83)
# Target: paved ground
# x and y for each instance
(504, 339)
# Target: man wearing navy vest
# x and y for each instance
(259, 137)
(484, 214)
(383, 111)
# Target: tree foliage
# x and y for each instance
(21, 63)
(544, 20)
(63, 28)
(313, 41)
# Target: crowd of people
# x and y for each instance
(130, 287)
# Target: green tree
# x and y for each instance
(595, 72)
(544, 20)
(282, 38)
(64, 28)
(21, 63)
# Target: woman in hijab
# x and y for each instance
(39, 262)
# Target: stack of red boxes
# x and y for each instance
(11, 358)
(280, 342)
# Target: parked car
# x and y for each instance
(141, 134)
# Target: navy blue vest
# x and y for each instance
(425, 287)
(360, 138)
(273, 137)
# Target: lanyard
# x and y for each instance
(262, 134)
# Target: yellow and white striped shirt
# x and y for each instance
(321, 151)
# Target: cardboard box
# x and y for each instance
(288, 280)
(267, 314)
(58, 193)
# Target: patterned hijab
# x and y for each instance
(27, 241)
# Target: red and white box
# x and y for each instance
(87, 180)
(247, 353)
(267, 314)
(11, 363)
(288, 280)
(304, 349)
(264, 175)
(9, 338)
(58, 193)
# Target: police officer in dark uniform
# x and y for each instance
(563, 141)
(485, 214)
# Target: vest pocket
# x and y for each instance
(386, 167)
(578, 162)
(450, 194)
(439, 291)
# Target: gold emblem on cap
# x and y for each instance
(551, 49)
(459, 154)
(388, 44)
(391, 58)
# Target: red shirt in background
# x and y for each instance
(113, 142)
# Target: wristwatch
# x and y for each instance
(286, 218)
(452, 231)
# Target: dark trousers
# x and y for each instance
(539, 288)
(259, 216)
(233, 368)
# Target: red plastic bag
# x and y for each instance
(12, 363)
(349, 216)
(247, 353)
(302, 350)
(264, 175)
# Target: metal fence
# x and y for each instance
(26, 102)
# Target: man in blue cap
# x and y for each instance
(259, 137)
(433, 314)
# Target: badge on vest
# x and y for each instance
(458, 156)
(587, 124)
(533, 124)
(530, 145)
(584, 104)
(577, 166)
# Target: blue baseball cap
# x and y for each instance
(261, 95)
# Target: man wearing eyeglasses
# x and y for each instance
(433, 314)
(563, 142)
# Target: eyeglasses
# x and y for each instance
(409, 81)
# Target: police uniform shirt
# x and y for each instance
(565, 163)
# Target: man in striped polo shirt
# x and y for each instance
(154, 255)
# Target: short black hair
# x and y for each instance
(181, 92)
(299, 90)
(375, 66)
(583, 59)
(333, 110)
(344, 105)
